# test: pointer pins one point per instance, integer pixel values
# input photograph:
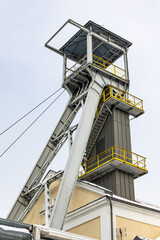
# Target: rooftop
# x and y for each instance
(76, 47)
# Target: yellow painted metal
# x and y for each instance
(113, 153)
(120, 95)
(107, 66)
(101, 63)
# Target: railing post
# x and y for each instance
(104, 99)
(124, 155)
(103, 64)
(97, 160)
(114, 70)
(144, 162)
(137, 162)
(85, 167)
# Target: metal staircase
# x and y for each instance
(97, 127)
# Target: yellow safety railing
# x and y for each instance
(113, 153)
(105, 65)
(121, 96)
(101, 63)
(98, 62)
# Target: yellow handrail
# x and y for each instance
(110, 67)
(114, 153)
(120, 95)
(101, 63)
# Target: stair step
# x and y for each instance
(97, 127)
(99, 121)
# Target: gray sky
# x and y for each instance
(30, 72)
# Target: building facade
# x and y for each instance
(96, 212)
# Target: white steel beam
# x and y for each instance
(64, 68)
(47, 203)
(76, 154)
(102, 38)
(126, 66)
(89, 48)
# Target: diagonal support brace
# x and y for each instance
(76, 154)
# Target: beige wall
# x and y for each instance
(34, 216)
(79, 198)
(88, 229)
(135, 228)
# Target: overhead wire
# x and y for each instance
(31, 124)
(30, 111)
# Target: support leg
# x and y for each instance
(76, 154)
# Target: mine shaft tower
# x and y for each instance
(102, 144)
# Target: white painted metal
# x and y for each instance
(89, 48)
(64, 68)
(47, 204)
(45, 159)
(70, 140)
(22, 211)
(96, 209)
(126, 66)
(41, 232)
(102, 38)
(39, 191)
(76, 154)
(60, 135)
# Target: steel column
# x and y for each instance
(64, 68)
(47, 204)
(76, 154)
(70, 140)
(126, 66)
(89, 48)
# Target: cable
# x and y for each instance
(29, 112)
(30, 125)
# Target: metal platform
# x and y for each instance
(122, 100)
(117, 98)
(79, 73)
(112, 158)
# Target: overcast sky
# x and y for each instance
(29, 73)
